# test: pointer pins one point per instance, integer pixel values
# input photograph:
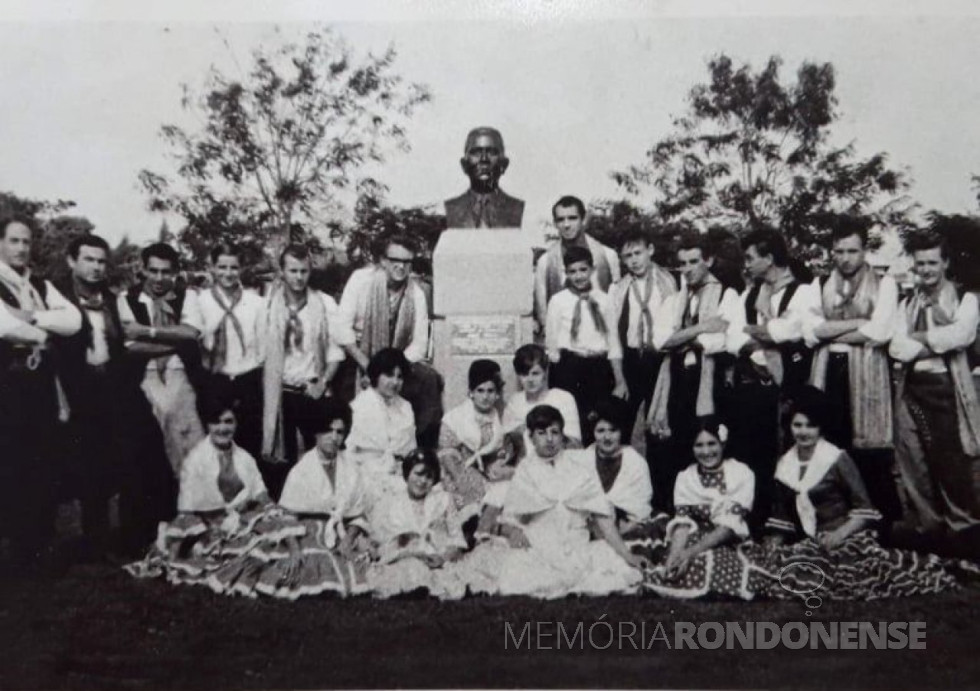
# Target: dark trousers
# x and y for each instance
(245, 391)
(877, 466)
(588, 379)
(29, 431)
(668, 457)
(640, 371)
(754, 436)
(301, 416)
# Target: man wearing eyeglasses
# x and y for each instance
(384, 306)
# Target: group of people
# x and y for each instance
(290, 445)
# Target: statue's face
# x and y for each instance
(484, 162)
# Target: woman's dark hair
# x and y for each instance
(332, 409)
(423, 457)
(386, 361)
(811, 402)
(213, 406)
(527, 356)
(710, 424)
(613, 410)
(543, 417)
(482, 371)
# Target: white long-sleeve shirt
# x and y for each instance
(879, 327)
(558, 327)
(61, 318)
(664, 321)
(786, 327)
(941, 339)
(353, 308)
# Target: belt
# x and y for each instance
(240, 375)
(585, 355)
(293, 388)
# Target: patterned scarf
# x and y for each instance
(869, 380)
(279, 315)
(708, 296)
(387, 324)
(585, 296)
(940, 310)
(219, 353)
(763, 308)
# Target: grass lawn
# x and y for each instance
(98, 628)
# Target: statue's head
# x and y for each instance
(483, 159)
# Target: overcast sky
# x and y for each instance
(576, 94)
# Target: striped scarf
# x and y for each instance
(219, 353)
(867, 364)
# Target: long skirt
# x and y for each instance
(316, 567)
(730, 571)
(227, 552)
(858, 569)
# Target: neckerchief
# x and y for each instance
(594, 311)
(803, 477)
(646, 317)
(219, 353)
(162, 314)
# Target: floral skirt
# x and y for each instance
(858, 569)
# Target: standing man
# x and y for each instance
(162, 322)
(773, 360)
(549, 274)
(635, 300)
(301, 360)
(384, 306)
(850, 331)
(116, 443)
(233, 340)
(484, 204)
(31, 410)
(690, 329)
(937, 414)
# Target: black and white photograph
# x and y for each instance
(440, 344)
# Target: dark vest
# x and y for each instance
(41, 286)
(190, 353)
(72, 350)
(796, 356)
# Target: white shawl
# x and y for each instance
(462, 422)
(380, 431)
(199, 479)
(632, 491)
(788, 472)
(308, 490)
(739, 483)
(539, 485)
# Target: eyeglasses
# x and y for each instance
(403, 262)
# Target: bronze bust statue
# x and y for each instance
(484, 204)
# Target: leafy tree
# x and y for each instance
(375, 220)
(279, 145)
(754, 150)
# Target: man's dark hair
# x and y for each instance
(768, 243)
(566, 201)
(5, 221)
(401, 240)
(542, 417)
(75, 246)
(697, 241)
(161, 250)
(926, 240)
(226, 249)
(635, 236)
(296, 251)
(847, 227)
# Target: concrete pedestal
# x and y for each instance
(483, 283)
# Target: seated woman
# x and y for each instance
(420, 534)
(382, 424)
(225, 518)
(553, 498)
(622, 472)
(821, 505)
(531, 366)
(708, 552)
(469, 431)
(325, 492)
